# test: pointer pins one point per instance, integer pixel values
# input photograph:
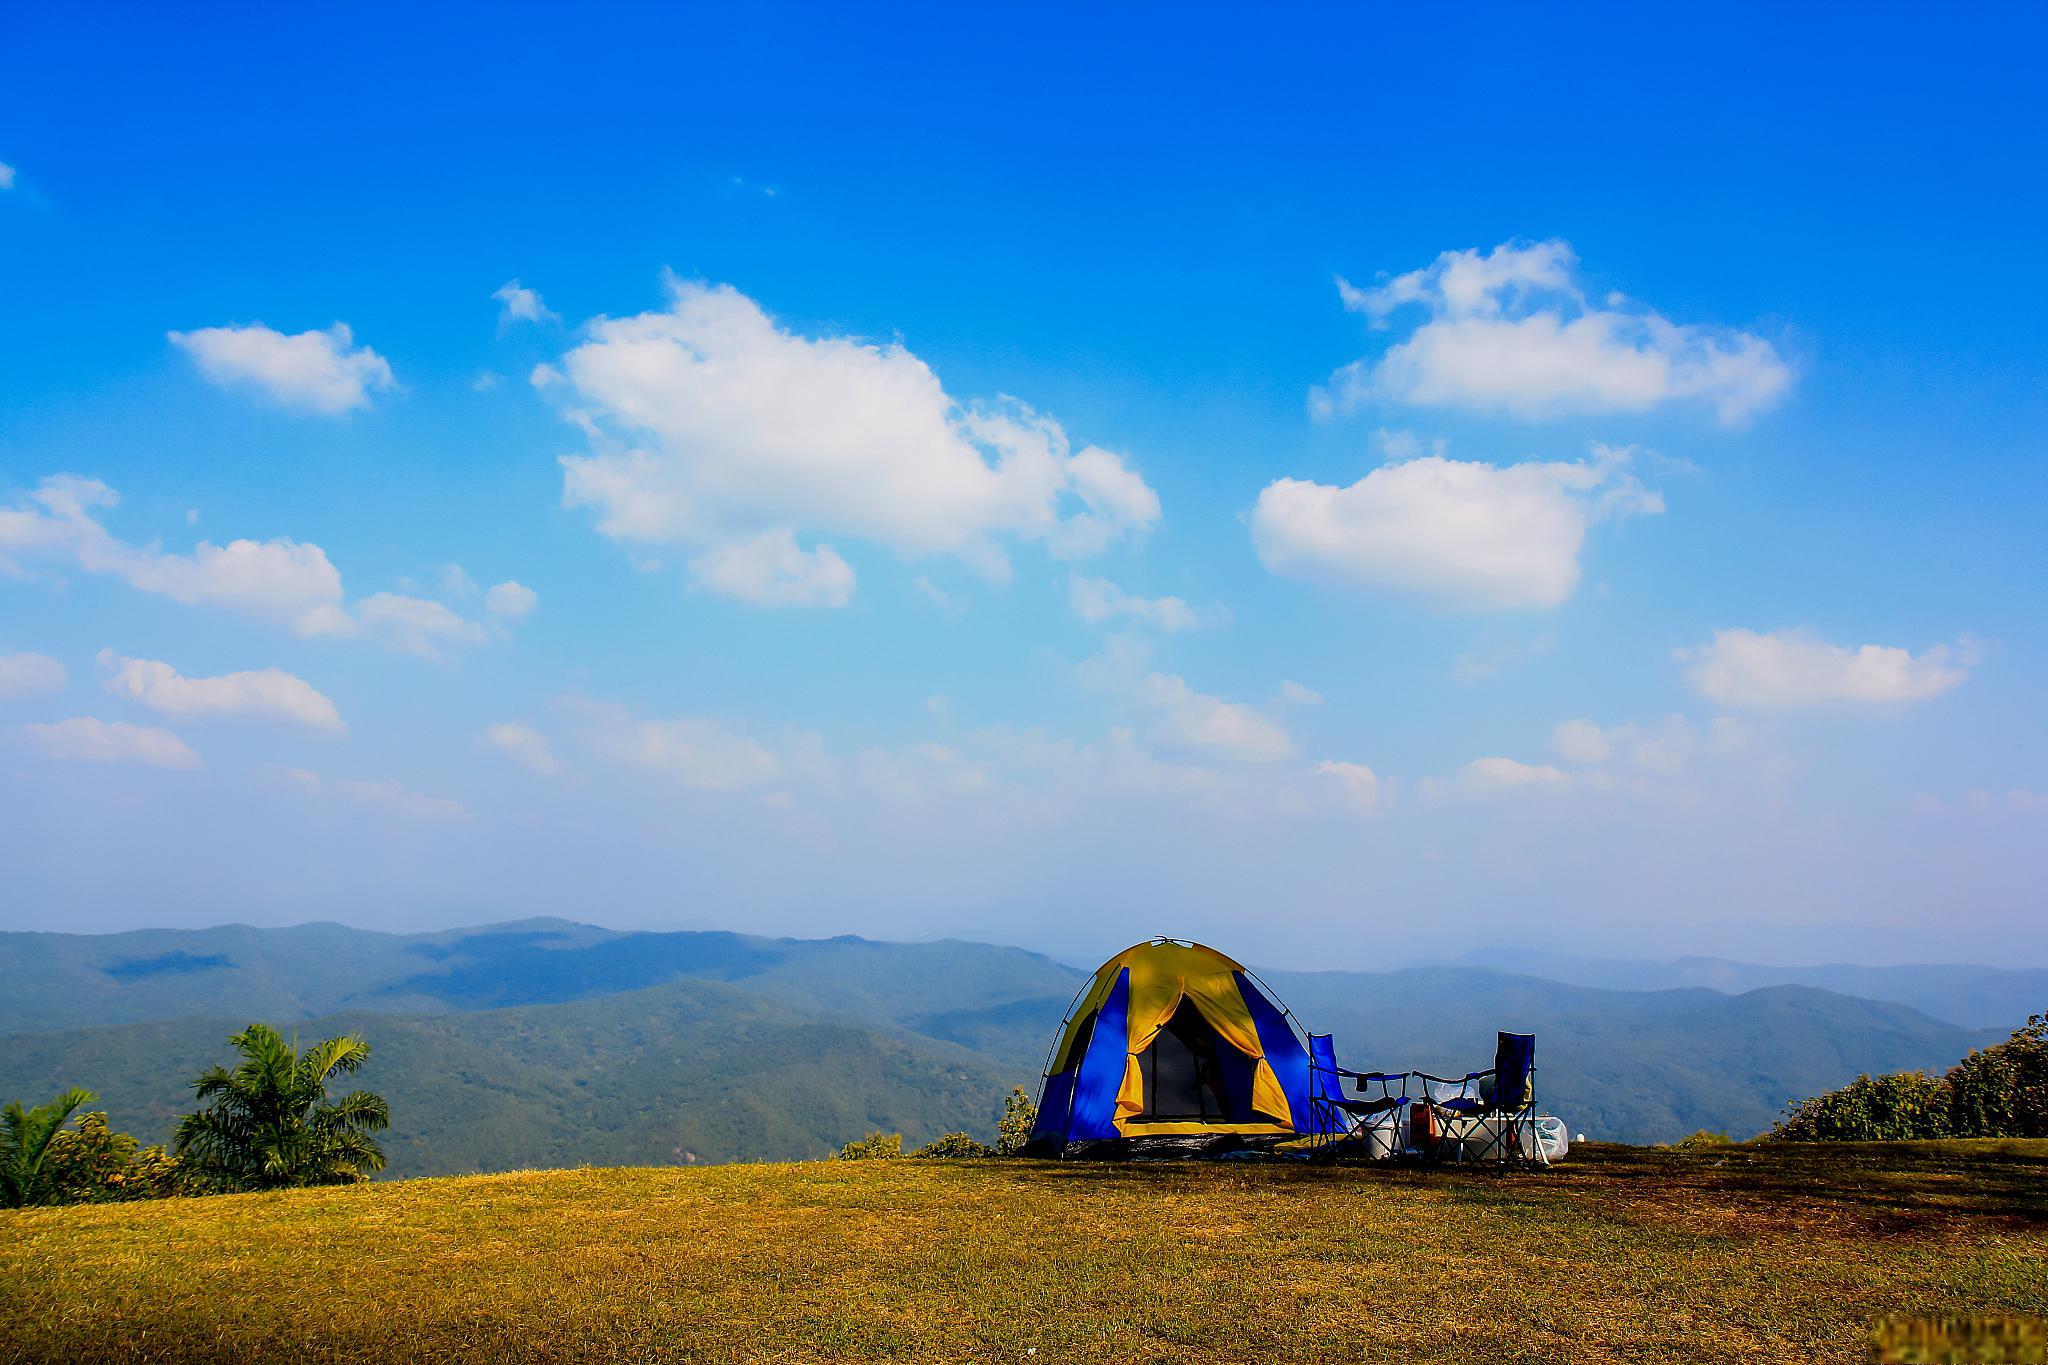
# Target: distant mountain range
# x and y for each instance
(1975, 997)
(546, 1043)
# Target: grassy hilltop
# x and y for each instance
(1747, 1253)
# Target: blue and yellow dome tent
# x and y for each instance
(1174, 1041)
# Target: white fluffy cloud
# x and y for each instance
(1192, 720)
(1362, 788)
(715, 428)
(320, 372)
(517, 303)
(511, 600)
(1096, 600)
(1487, 776)
(1469, 534)
(29, 675)
(1793, 668)
(525, 746)
(6, 176)
(84, 739)
(269, 693)
(283, 582)
(1580, 741)
(413, 625)
(1512, 330)
(772, 570)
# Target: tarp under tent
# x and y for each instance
(1174, 1043)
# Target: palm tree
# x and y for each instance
(270, 1124)
(25, 1135)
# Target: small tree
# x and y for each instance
(1020, 1116)
(270, 1124)
(92, 1163)
(876, 1146)
(25, 1138)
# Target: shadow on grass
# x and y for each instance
(1888, 1189)
(1884, 1189)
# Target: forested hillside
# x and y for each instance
(545, 1042)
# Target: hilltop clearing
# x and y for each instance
(1763, 1253)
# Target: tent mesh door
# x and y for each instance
(1183, 1079)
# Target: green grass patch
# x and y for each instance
(1765, 1253)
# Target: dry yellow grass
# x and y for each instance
(1785, 1254)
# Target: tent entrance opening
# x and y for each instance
(1182, 1073)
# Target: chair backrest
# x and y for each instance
(1514, 1067)
(1322, 1052)
(1325, 1085)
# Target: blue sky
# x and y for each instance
(1351, 490)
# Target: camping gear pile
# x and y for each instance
(1174, 1049)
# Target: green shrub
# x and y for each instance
(1701, 1140)
(1998, 1091)
(874, 1147)
(93, 1164)
(1903, 1105)
(955, 1145)
(2002, 1091)
(1020, 1116)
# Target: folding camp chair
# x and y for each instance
(1372, 1121)
(1487, 1115)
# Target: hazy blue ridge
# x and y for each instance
(1974, 996)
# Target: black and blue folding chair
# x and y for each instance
(1486, 1115)
(1370, 1121)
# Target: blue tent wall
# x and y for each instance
(1080, 1102)
(1102, 1067)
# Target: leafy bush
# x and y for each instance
(1903, 1105)
(2002, 1091)
(1020, 1116)
(93, 1164)
(1701, 1140)
(1998, 1091)
(875, 1146)
(955, 1145)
